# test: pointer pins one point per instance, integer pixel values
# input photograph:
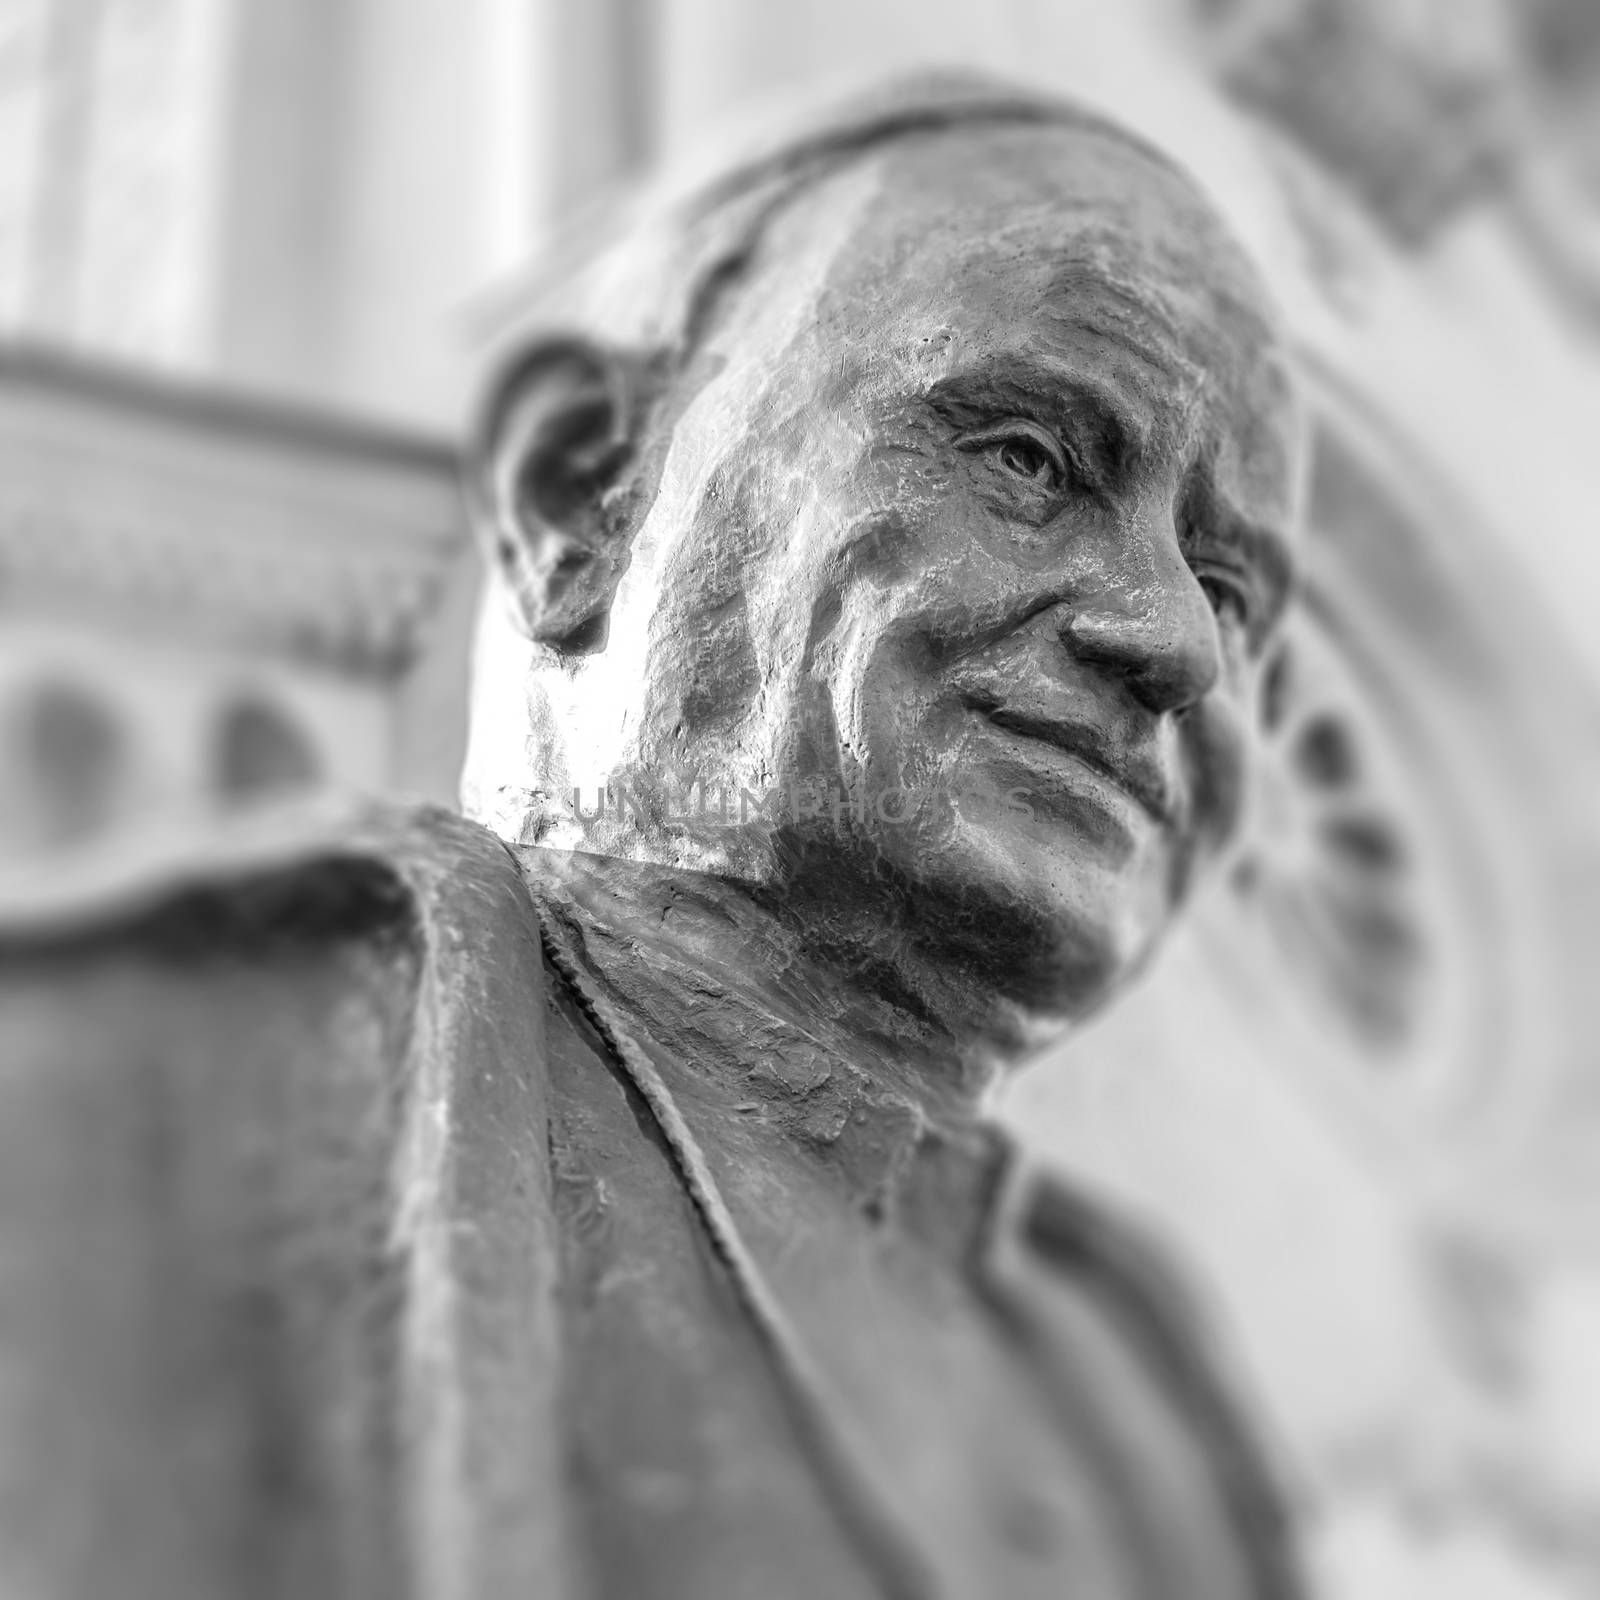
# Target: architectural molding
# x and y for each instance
(213, 517)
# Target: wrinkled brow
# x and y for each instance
(1106, 431)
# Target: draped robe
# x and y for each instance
(365, 1232)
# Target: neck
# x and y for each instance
(751, 988)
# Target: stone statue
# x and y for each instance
(886, 542)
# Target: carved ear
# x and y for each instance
(555, 435)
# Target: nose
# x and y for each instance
(1155, 630)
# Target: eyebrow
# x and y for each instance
(1095, 416)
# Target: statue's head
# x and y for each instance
(930, 480)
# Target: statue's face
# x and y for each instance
(995, 467)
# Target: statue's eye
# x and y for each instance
(1027, 458)
(1228, 599)
(1023, 450)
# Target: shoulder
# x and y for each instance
(353, 972)
(406, 897)
(258, 867)
(1065, 1232)
(277, 1102)
(1062, 1235)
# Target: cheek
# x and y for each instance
(880, 698)
(894, 730)
(1216, 741)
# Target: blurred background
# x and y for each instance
(251, 255)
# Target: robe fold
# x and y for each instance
(345, 1253)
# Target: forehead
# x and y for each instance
(1054, 249)
(1061, 222)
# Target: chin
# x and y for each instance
(1086, 952)
(1054, 928)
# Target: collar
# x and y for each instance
(754, 1052)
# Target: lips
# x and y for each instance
(1141, 776)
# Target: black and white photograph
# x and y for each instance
(799, 800)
